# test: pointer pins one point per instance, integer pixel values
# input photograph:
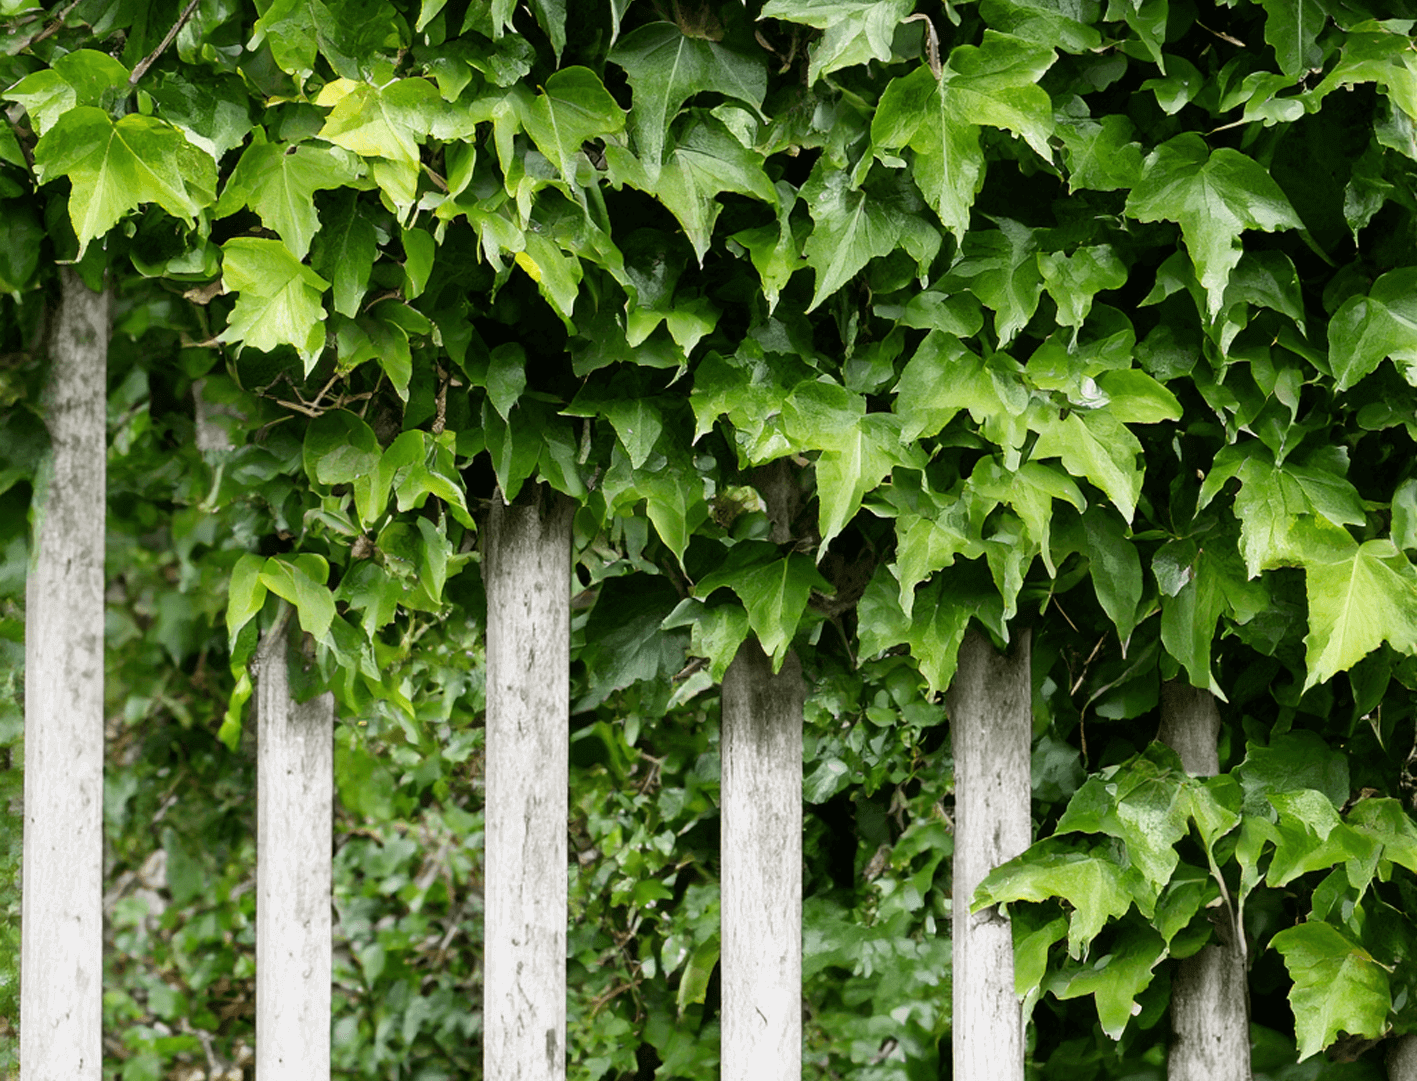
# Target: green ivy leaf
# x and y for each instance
(1103, 154)
(280, 298)
(574, 107)
(1292, 760)
(941, 611)
(1030, 490)
(1292, 29)
(366, 587)
(775, 594)
(1115, 567)
(419, 251)
(115, 167)
(279, 183)
(515, 447)
(79, 78)
(212, 111)
(301, 581)
(1072, 280)
(1093, 443)
(666, 68)
(693, 984)
(856, 31)
(1338, 986)
(851, 229)
(995, 83)
(246, 593)
(1000, 267)
(776, 250)
(344, 252)
(1356, 604)
(944, 377)
(1214, 197)
(1095, 885)
(386, 124)
(1366, 330)
(705, 160)
(356, 39)
(637, 423)
(506, 377)
(1044, 22)
(871, 448)
(1143, 803)
(340, 448)
(1116, 979)
(1309, 836)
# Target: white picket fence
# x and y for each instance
(527, 567)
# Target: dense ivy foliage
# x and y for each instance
(846, 324)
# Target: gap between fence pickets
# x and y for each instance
(61, 915)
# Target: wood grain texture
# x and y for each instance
(294, 869)
(1190, 726)
(61, 950)
(761, 843)
(1210, 1016)
(1402, 1059)
(990, 703)
(527, 568)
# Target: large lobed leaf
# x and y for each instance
(1214, 197)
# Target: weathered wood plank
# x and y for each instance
(61, 910)
(527, 569)
(294, 873)
(761, 843)
(990, 704)
(1402, 1059)
(1210, 1021)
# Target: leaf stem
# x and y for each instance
(932, 43)
(147, 61)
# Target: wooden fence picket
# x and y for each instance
(1209, 1001)
(294, 873)
(990, 704)
(761, 844)
(61, 916)
(527, 570)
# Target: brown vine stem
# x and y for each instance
(932, 43)
(50, 30)
(147, 61)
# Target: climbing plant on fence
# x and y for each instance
(844, 326)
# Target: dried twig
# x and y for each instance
(932, 43)
(147, 61)
(50, 30)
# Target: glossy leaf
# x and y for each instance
(667, 67)
(1214, 196)
(574, 107)
(995, 83)
(1338, 986)
(279, 183)
(1355, 604)
(280, 298)
(775, 595)
(855, 31)
(706, 159)
(1366, 330)
(117, 166)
